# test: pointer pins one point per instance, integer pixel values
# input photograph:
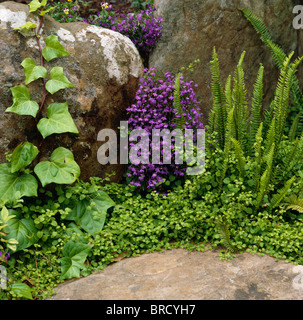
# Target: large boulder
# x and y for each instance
(104, 67)
(193, 27)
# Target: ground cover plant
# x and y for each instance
(248, 199)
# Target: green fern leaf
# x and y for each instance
(227, 146)
(277, 198)
(240, 102)
(256, 106)
(294, 203)
(219, 110)
(240, 157)
(258, 156)
(179, 118)
(223, 230)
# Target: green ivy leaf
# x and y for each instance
(58, 120)
(53, 49)
(42, 13)
(11, 183)
(57, 81)
(28, 25)
(61, 169)
(23, 156)
(32, 71)
(75, 254)
(91, 220)
(23, 230)
(22, 103)
(34, 5)
(21, 290)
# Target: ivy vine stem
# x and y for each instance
(37, 36)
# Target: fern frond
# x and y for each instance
(227, 146)
(270, 136)
(223, 230)
(265, 179)
(257, 23)
(294, 157)
(228, 93)
(218, 100)
(240, 157)
(281, 100)
(256, 106)
(277, 198)
(294, 203)
(294, 128)
(240, 102)
(277, 53)
(262, 189)
(179, 118)
(258, 155)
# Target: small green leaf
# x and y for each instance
(42, 13)
(23, 156)
(75, 254)
(58, 120)
(61, 169)
(28, 25)
(53, 49)
(22, 103)
(12, 183)
(57, 81)
(21, 290)
(34, 5)
(32, 71)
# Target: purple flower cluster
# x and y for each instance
(143, 28)
(154, 109)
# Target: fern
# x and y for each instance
(294, 128)
(179, 119)
(256, 106)
(277, 53)
(240, 157)
(228, 94)
(258, 156)
(265, 179)
(282, 94)
(294, 203)
(240, 102)
(270, 136)
(223, 230)
(257, 23)
(227, 146)
(294, 157)
(277, 198)
(220, 115)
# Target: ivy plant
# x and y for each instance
(18, 178)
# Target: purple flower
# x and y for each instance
(143, 28)
(154, 109)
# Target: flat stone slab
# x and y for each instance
(178, 274)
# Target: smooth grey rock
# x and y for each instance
(182, 275)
